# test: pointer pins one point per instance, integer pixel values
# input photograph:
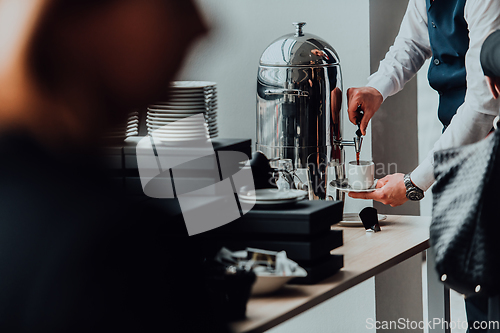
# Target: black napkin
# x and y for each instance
(262, 171)
(369, 217)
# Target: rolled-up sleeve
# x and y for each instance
(408, 53)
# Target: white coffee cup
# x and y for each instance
(362, 176)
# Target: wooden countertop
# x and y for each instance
(365, 255)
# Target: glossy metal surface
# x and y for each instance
(299, 100)
(293, 125)
(299, 49)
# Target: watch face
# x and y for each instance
(415, 195)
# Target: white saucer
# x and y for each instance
(172, 128)
(167, 129)
(192, 84)
(180, 140)
(167, 118)
(175, 104)
(174, 91)
(173, 124)
(273, 202)
(194, 88)
(186, 106)
(177, 133)
(184, 98)
(168, 135)
(185, 102)
(179, 114)
(173, 110)
(206, 90)
(345, 187)
(272, 195)
(159, 132)
(353, 219)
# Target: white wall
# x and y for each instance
(429, 127)
(395, 141)
(242, 29)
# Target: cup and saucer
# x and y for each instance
(343, 186)
(360, 178)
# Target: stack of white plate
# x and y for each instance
(187, 98)
(271, 196)
(186, 129)
(128, 128)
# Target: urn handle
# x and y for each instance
(299, 26)
(292, 92)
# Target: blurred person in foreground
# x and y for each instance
(75, 255)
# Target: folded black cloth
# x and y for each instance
(369, 217)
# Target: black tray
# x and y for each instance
(298, 248)
(304, 218)
(320, 270)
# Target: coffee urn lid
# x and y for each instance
(299, 49)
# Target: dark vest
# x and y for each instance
(449, 38)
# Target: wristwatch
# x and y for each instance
(412, 192)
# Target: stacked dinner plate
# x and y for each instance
(185, 129)
(130, 127)
(272, 197)
(187, 99)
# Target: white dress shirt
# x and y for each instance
(406, 56)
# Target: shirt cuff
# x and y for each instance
(382, 83)
(423, 175)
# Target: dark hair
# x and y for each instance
(490, 55)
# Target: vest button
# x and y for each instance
(433, 24)
(437, 62)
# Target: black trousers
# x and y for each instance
(485, 311)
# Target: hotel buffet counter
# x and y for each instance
(366, 254)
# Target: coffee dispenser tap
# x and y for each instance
(356, 143)
(358, 140)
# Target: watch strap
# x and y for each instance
(413, 192)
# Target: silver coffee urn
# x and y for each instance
(299, 111)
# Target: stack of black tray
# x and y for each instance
(122, 161)
(302, 230)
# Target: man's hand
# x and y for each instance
(390, 190)
(369, 99)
